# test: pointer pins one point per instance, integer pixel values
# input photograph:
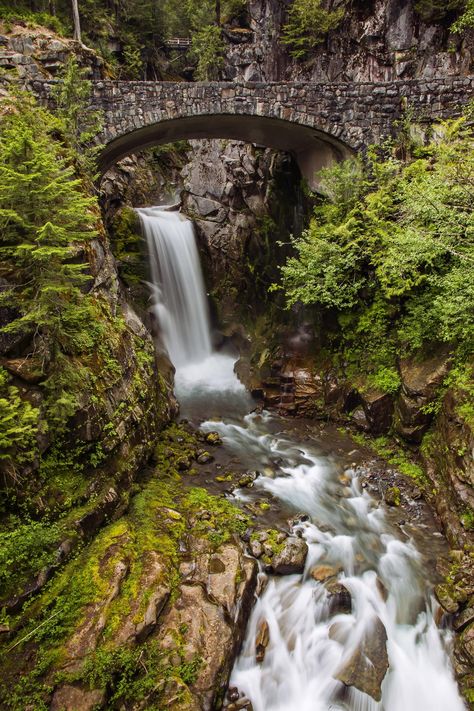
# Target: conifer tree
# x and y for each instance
(45, 220)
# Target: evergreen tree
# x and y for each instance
(45, 220)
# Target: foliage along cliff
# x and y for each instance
(82, 399)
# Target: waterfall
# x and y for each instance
(385, 574)
(204, 378)
(179, 299)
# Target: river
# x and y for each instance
(382, 649)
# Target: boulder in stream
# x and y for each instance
(290, 558)
(366, 667)
(339, 596)
(261, 641)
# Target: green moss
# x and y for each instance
(393, 496)
(25, 548)
(271, 540)
(386, 379)
(159, 517)
(215, 518)
(393, 454)
(467, 519)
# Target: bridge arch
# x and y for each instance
(312, 148)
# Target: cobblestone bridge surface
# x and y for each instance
(304, 118)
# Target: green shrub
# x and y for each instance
(208, 49)
(24, 550)
(18, 427)
(308, 24)
(390, 249)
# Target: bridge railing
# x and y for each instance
(178, 42)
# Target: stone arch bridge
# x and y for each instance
(318, 123)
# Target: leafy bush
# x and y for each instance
(25, 550)
(33, 19)
(18, 427)
(466, 19)
(308, 24)
(391, 249)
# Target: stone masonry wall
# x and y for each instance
(356, 114)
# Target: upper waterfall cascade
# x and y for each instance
(179, 298)
(203, 376)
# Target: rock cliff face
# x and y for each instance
(121, 403)
(150, 612)
(243, 200)
(380, 40)
(28, 54)
(120, 395)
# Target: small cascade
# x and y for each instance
(316, 638)
(179, 299)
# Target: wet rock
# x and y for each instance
(463, 619)
(29, 369)
(359, 418)
(183, 464)
(256, 548)
(90, 523)
(233, 694)
(75, 698)
(86, 637)
(261, 641)
(213, 607)
(446, 597)
(467, 641)
(368, 664)
(291, 558)
(392, 496)
(421, 378)
(268, 550)
(213, 438)
(383, 592)
(420, 382)
(378, 408)
(147, 605)
(340, 600)
(339, 632)
(242, 704)
(323, 572)
(299, 518)
(204, 458)
(247, 480)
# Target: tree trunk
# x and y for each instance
(218, 12)
(76, 20)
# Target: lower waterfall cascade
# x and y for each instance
(382, 568)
